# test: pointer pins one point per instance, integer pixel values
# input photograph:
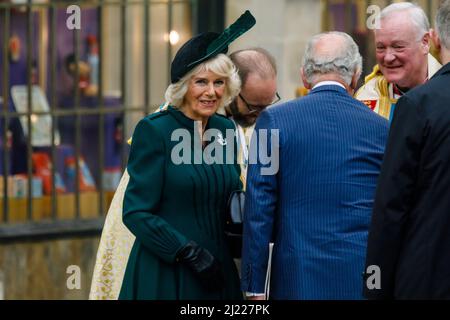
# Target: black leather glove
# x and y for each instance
(204, 265)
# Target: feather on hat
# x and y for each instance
(207, 45)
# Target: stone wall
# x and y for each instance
(282, 27)
(37, 270)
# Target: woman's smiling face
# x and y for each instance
(204, 94)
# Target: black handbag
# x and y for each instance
(234, 222)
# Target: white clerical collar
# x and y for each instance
(328, 83)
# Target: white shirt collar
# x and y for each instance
(328, 83)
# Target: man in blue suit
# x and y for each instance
(317, 207)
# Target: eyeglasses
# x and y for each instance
(258, 108)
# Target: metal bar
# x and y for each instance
(46, 230)
(101, 136)
(429, 14)
(325, 14)
(169, 28)
(348, 23)
(194, 16)
(123, 57)
(87, 4)
(367, 3)
(6, 21)
(30, 110)
(367, 40)
(212, 14)
(146, 57)
(53, 104)
(77, 122)
(80, 111)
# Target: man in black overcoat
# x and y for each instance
(408, 253)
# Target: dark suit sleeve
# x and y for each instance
(260, 207)
(394, 195)
(142, 196)
(235, 142)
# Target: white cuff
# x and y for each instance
(252, 294)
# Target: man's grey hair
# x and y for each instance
(254, 60)
(344, 60)
(416, 13)
(443, 23)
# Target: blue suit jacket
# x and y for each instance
(317, 207)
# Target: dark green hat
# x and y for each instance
(207, 45)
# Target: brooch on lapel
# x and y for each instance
(221, 140)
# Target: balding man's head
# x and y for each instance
(254, 60)
(258, 73)
(331, 56)
(330, 45)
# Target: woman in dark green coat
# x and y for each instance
(182, 168)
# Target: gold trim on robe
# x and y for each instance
(378, 94)
(114, 249)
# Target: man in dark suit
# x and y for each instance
(408, 249)
(316, 208)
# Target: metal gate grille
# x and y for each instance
(48, 15)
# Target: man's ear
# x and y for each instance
(426, 42)
(306, 84)
(435, 38)
(354, 82)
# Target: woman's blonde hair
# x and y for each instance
(220, 65)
